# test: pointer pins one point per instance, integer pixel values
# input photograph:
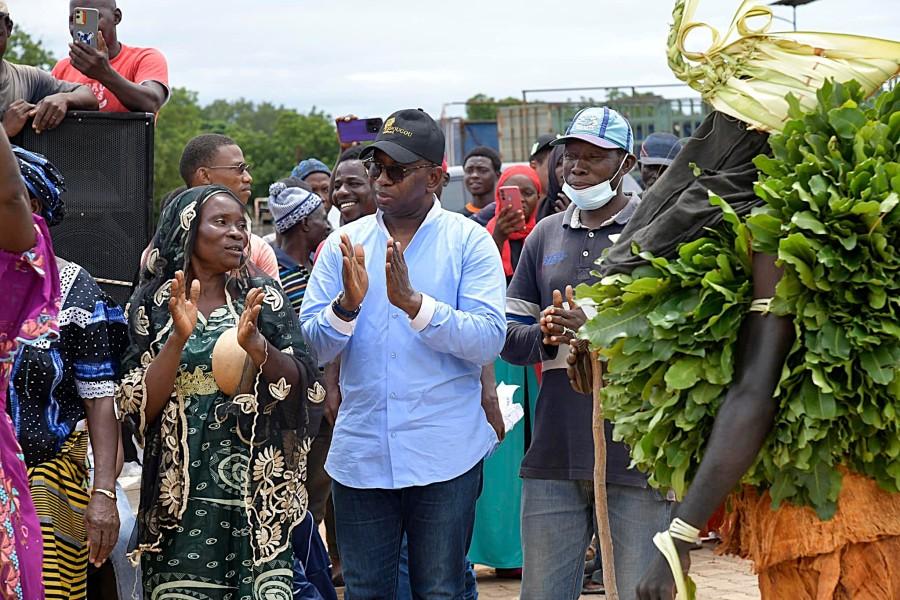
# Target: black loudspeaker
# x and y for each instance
(107, 160)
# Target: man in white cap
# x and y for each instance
(558, 469)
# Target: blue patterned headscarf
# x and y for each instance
(44, 182)
(290, 204)
(308, 167)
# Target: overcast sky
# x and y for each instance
(370, 58)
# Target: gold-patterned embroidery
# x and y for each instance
(142, 327)
(188, 214)
(162, 294)
(170, 492)
(151, 260)
(269, 464)
(280, 390)
(316, 394)
(273, 299)
(130, 398)
(146, 359)
(198, 383)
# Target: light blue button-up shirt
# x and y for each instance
(411, 413)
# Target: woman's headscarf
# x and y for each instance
(44, 182)
(274, 426)
(548, 205)
(530, 221)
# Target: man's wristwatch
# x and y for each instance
(347, 315)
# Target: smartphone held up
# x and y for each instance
(85, 25)
(358, 130)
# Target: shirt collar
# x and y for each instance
(432, 214)
(285, 259)
(572, 219)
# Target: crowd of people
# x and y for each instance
(341, 372)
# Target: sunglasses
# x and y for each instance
(396, 173)
(240, 168)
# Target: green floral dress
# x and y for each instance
(208, 556)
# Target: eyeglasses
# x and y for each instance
(396, 173)
(240, 168)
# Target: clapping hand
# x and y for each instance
(400, 291)
(183, 308)
(560, 325)
(356, 279)
(248, 335)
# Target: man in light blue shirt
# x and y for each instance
(412, 299)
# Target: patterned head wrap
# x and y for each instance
(44, 182)
(308, 167)
(290, 204)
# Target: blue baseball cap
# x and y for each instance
(600, 126)
(660, 149)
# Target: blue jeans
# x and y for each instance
(557, 525)
(312, 569)
(405, 593)
(437, 520)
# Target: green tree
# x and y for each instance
(25, 50)
(273, 138)
(482, 107)
(179, 121)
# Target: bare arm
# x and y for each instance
(16, 224)
(102, 515)
(145, 97)
(161, 374)
(742, 423)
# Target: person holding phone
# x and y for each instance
(123, 78)
(29, 93)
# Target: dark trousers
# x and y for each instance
(437, 520)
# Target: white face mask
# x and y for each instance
(594, 197)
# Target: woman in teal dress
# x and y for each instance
(223, 480)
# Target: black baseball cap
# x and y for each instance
(542, 143)
(407, 136)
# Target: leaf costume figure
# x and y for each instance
(799, 167)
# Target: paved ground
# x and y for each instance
(717, 577)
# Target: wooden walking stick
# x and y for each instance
(600, 501)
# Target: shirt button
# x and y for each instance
(393, 435)
(591, 234)
(393, 355)
(585, 254)
(393, 395)
(394, 315)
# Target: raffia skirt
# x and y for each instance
(855, 555)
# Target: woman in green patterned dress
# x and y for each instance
(223, 480)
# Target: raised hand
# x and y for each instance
(248, 336)
(400, 291)
(356, 279)
(183, 308)
(560, 325)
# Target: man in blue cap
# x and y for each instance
(558, 469)
(411, 300)
(657, 153)
(317, 176)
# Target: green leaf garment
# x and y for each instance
(271, 425)
(827, 204)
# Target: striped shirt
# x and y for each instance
(294, 277)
